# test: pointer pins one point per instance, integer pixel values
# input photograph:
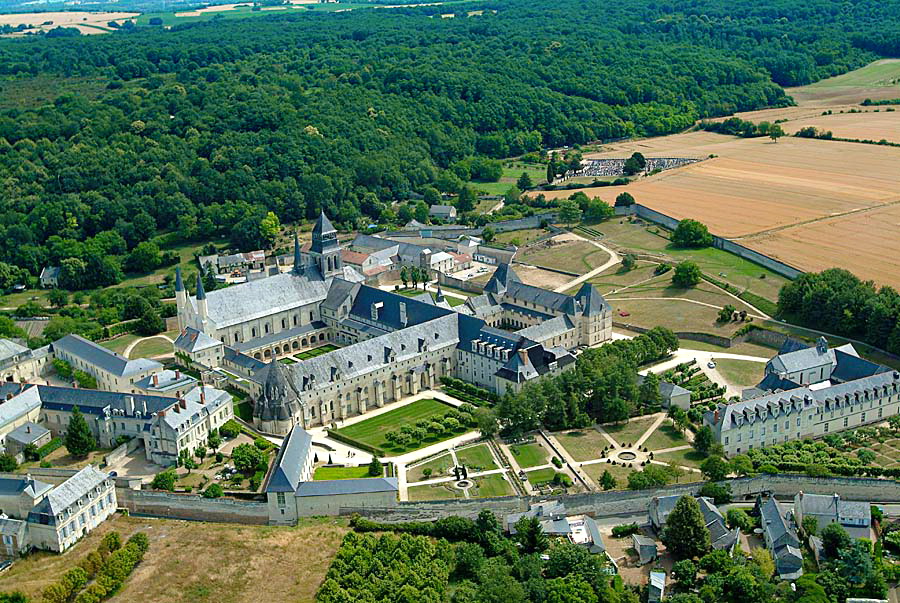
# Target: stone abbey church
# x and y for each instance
(390, 345)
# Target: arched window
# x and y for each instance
(295, 320)
(266, 327)
(253, 332)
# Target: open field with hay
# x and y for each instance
(874, 123)
(810, 203)
(877, 80)
(85, 22)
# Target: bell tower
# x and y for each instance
(325, 249)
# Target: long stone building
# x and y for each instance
(392, 346)
(807, 392)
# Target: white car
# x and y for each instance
(711, 364)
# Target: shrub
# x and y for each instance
(213, 491)
(164, 480)
(625, 530)
(262, 443)
(556, 462)
(230, 429)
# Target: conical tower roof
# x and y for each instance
(179, 284)
(201, 292)
(278, 400)
(298, 257)
(323, 225)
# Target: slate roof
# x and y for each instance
(273, 338)
(548, 329)
(193, 340)
(95, 402)
(779, 532)
(13, 486)
(9, 349)
(194, 411)
(12, 527)
(257, 299)
(293, 455)
(20, 405)
(96, 355)
(243, 360)
(442, 210)
(67, 493)
(667, 390)
(597, 544)
(592, 301)
(166, 380)
(806, 358)
(833, 507)
(340, 487)
(850, 366)
(27, 433)
(50, 272)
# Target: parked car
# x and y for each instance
(711, 364)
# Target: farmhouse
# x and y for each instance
(807, 392)
(393, 345)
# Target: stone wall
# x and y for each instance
(446, 279)
(192, 507)
(718, 340)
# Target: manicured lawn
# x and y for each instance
(476, 458)
(434, 492)
(583, 445)
(149, 348)
(522, 236)
(454, 301)
(619, 472)
(119, 344)
(328, 473)
(323, 349)
(615, 277)
(629, 432)
(438, 466)
(742, 373)
(541, 476)
(492, 485)
(747, 348)
(371, 431)
(665, 436)
(287, 361)
(530, 455)
(688, 457)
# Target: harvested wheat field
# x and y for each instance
(878, 81)
(85, 22)
(866, 243)
(863, 126)
(755, 184)
(200, 562)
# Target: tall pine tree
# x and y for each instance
(79, 439)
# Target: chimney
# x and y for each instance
(800, 494)
(716, 416)
(202, 396)
(9, 396)
(129, 405)
(28, 429)
(144, 406)
(177, 408)
(182, 403)
(161, 414)
(177, 375)
(523, 356)
(155, 380)
(403, 318)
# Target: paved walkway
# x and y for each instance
(673, 449)
(574, 465)
(614, 259)
(656, 423)
(515, 468)
(701, 356)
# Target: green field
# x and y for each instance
(687, 457)
(530, 455)
(149, 348)
(329, 473)
(539, 477)
(434, 492)
(492, 485)
(538, 174)
(244, 411)
(476, 458)
(721, 265)
(619, 472)
(119, 344)
(371, 431)
(665, 436)
(438, 466)
(287, 361)
(740, 373)
(583, 445)
(629, 432)
(879, 73)
(519, 237)
(573, 256)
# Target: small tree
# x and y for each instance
(79, 439)
(649, 392)
(31, 453)
(628, 262)
(834, 540)
(810, 525)
(248, 458)
(686, 274)
(703, 440)
(607, 481)
(569, 212)
(685, 572)
(165, 480)
(530, 535)
(775, 132)
(404, 275)
(624, 200)
(726, 314)
(738, 518)
(691, 233)
(685, 534)
(524, 182)
(58, 298)
(375, 467)
(8, 463)
(200, 452)
(213, 491)
(715, 468)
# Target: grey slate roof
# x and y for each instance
(347, 486)
(27, 433)
(257, 299)
(774, 524)
(295, 450)
(12, 527)
(13, 486)
(10, 349)
(833, 507)
(67, 493)
(807, 358)
(193, 340)
(548, 329)
(166, 380)
(592, 301)
(667, 390)
(20, 405)
(194, 410)
(250, 364)
(96, 355)
(94, 402)
(273, 338)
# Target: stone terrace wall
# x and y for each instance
(193, 507)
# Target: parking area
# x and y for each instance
(477, 269)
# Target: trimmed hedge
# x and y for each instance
(458, 385)
(340, 437)
(50, 446)
(451, 528)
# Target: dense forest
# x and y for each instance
(203, 129)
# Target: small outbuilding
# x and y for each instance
(645, 548)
